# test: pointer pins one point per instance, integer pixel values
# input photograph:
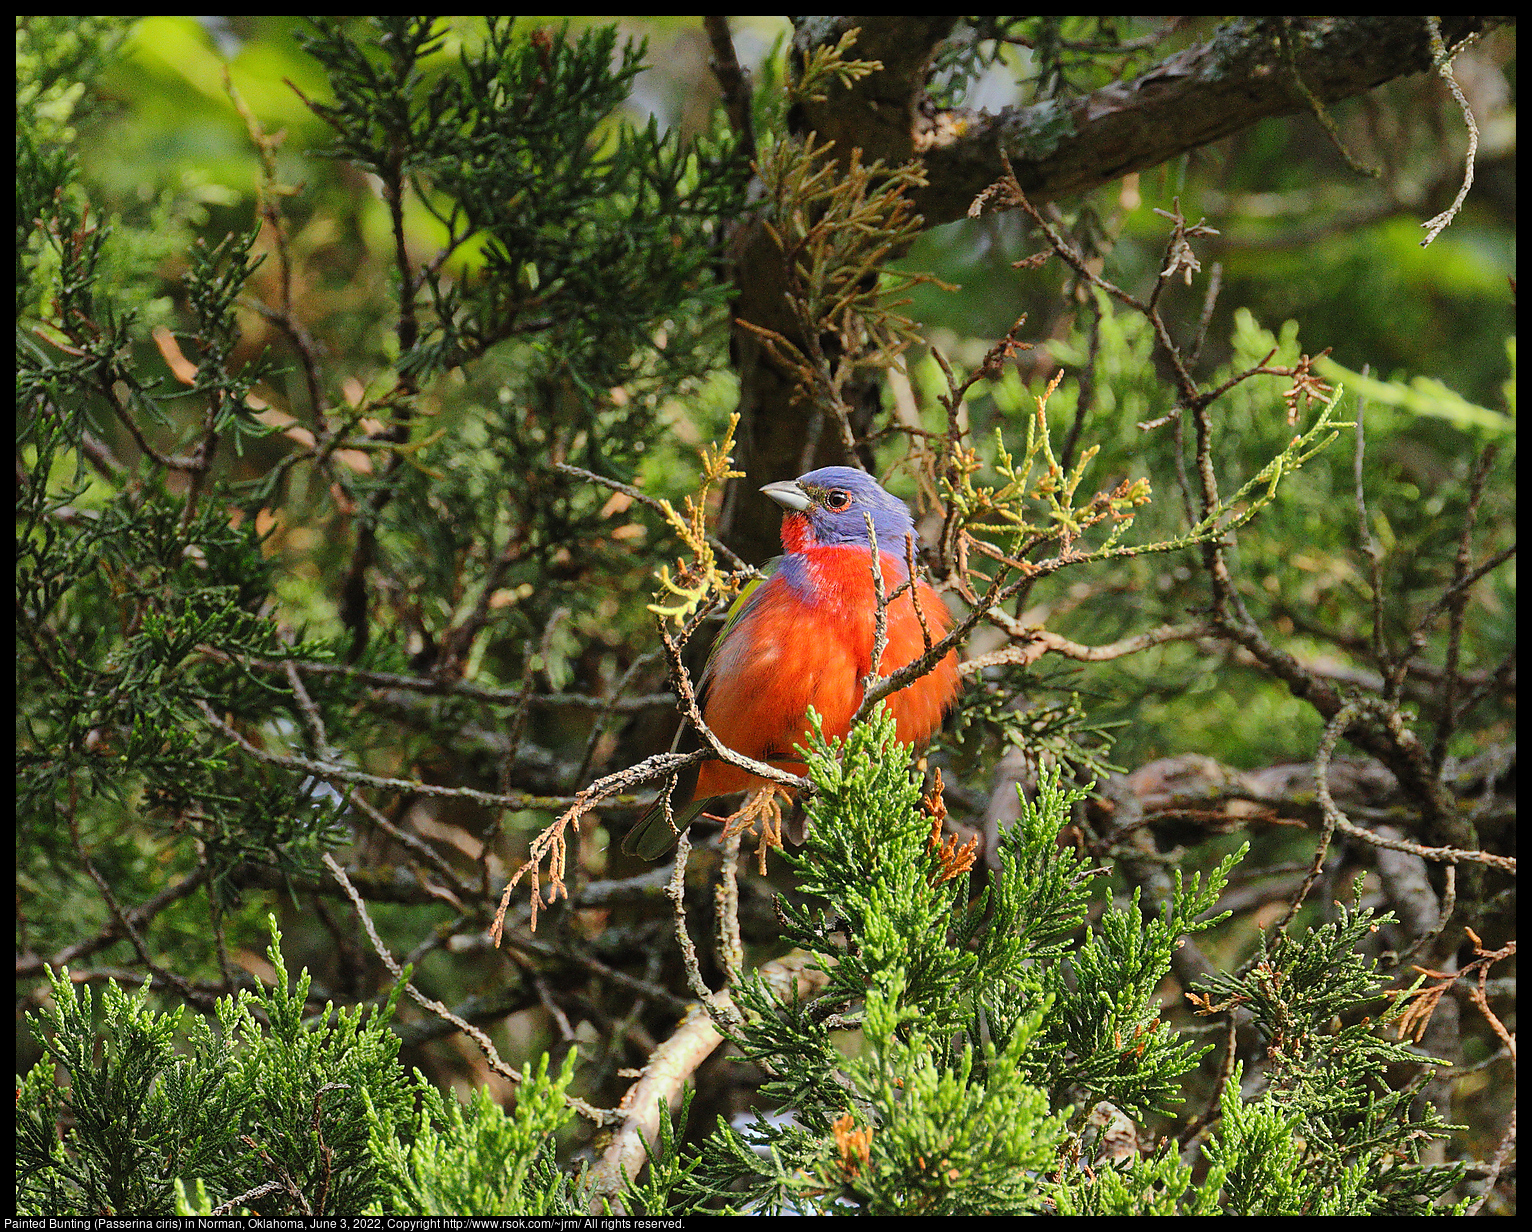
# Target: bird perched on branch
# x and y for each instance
(803, 635)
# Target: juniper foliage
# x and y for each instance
(453, 1156)
(163, 1112)
(980, 1037)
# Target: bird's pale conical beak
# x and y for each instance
(788, 494)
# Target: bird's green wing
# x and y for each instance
(748, 595)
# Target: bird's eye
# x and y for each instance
(837, 499)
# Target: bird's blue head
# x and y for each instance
(827, 507)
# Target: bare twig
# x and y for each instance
(1332, 815)
(1364, 531)
(731, 951)
(125, 925)
(486, 1045)
(436, 1007)
(115, 928)
(676, 892)
(433, 685)
(1316, 106)
(880, 614)
(1442, 62)
(345, 774)
(249, 1196)
(1032, 643)
(643, 498)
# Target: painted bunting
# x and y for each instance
(802, 635)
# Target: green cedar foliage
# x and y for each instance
(581, 246)
(157, 1128)
(138, 592)
(578, 245)
(132, 598)
(978, 1035)
(135, 1112)
(579, 229)
(454, 1157)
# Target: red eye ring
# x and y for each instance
(837, 499)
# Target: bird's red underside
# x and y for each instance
(789, 654)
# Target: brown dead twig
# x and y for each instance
(1424, 1000)
(954, 860)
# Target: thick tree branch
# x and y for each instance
(1197, 96)
(881, 114)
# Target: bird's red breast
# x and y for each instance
(807, 640)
